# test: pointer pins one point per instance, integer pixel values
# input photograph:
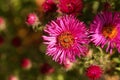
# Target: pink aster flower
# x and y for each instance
(105, 30)
(49, 6)
(1, 20)
(70, 6)
(2, 24)
(67, 38)
(26, 63)
(13, 77)
(94, 72)
(32, 19)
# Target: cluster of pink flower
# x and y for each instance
(69, 37)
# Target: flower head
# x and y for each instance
(2, 24)
(13, 77)
(26, 63)
(70, 6)
(31, 19)
(105, 30)
(94, 72)
(1, 20)
(49, 6)
(67, 38)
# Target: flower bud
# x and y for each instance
(31, 19)
(13, 77)
(26, 63)
(94, 72)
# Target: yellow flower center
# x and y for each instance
(66, 39)
(109, 31)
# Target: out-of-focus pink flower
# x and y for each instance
(70, 6)
(2, 24)
(1, 20)
(13, 77)
(49, 6)
(31, 19)
(26, 63)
